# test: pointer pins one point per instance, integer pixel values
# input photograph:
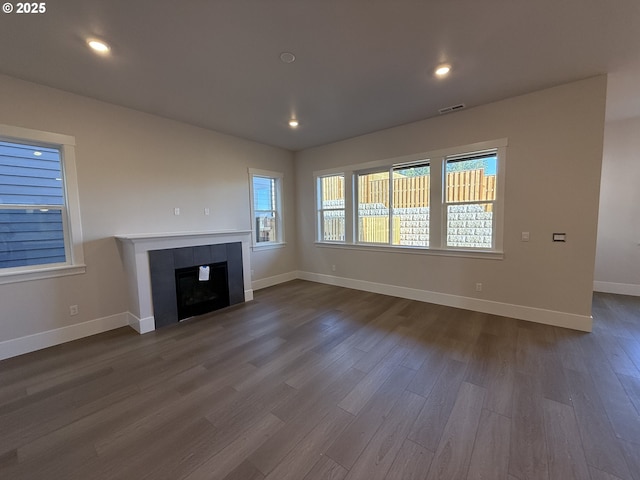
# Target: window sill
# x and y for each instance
(268, 246)
(41, 273)
(484, 254)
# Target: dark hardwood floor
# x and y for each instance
(313, 382)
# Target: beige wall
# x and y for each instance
(552, 183)
(618, 251)
(133, 169)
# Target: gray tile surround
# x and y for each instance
(162, 266)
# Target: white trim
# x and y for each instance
(41, 273)
(38, 341)
(498, 214)
(45, 138)
(141, 325)
(72, 225)
(522, 312)
(384, 248)
(274, 280)
(618, 288)
(319, 229)
(268, 246)
(437, 161)
(72, 204)
(279, 214)
(58, 336)
(30, 343)
(170, 239)
(437, 195)
(265, 173)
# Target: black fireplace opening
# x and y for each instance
(199, 291)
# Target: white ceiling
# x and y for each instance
(362, 65)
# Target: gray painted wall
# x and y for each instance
(552, 185)
(133, 169)
(618, 253)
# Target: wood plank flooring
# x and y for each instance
(312, 382)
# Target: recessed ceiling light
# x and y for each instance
(287, 57)
(293, 123)
(37, 154)
(443, 70)
(98, 46)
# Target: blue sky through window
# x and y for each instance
(490, 164)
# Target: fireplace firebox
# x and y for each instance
(150, 261)
(198, 293)
(174, 266)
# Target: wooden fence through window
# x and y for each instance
(412, 192)
(408, 192)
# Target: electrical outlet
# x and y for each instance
(73, 310)
(478, 287)
(333, 268)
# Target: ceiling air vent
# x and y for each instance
(452, 108)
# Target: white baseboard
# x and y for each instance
(38, 341)
(618, 288)
(31, 343)
(141, 325)
(275, 280)
(532, 314)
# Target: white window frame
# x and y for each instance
(71, 220)
(279, 215)
(437, 209)
(320, 209)
(356, 204)
(497, 204)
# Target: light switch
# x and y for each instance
(525, 236)
(559, 237)
(176, 211)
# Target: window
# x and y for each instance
(411, 186)
(266, 207)
(39, 218)
(470, 199)
(445, 200)
(331, 218)
(373, 207)
(393, 205)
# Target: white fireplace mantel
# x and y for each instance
(135, 253)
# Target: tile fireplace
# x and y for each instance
(152, 263)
